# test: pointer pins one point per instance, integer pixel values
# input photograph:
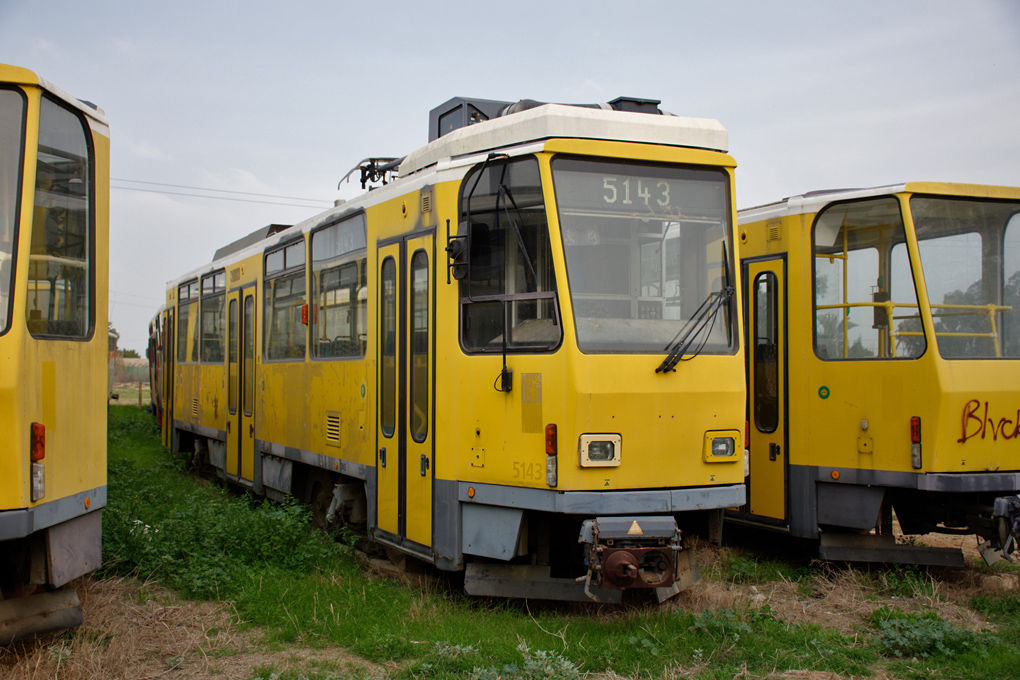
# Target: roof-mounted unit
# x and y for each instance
(461, 112)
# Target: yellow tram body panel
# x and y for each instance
(54, 244)
(882, 357)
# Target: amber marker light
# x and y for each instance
(471, 492)
(835, 474)
(38, 442)
(88, 502)
(550, 440)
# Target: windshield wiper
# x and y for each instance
(502, 194)
(702, 319)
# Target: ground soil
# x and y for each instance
(140, 631)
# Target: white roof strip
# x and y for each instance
(556, 120)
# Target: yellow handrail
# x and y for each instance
(990, 309)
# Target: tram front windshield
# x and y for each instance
(646, 246)
(970, 255)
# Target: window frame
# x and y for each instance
(288, 272)
(90, 197)
(466, 298)
(16, 209)
(730, 311)
(219, 290)
(184, 310)
(813, 254)
(357, 257)
(388, 314)
(771, 321)
(1002, 335)
(418, 385)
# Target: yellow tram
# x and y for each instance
(883, 355)
(54, 211)
(518, 355)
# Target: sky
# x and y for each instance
(275, 101)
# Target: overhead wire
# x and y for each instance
(322, 203)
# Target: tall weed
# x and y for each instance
(196, 539)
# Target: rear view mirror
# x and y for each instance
(457, 252)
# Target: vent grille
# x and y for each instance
(773, 231)
(194, 407)
(332, 428)
(426, 203)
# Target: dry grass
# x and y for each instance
(142, 632)
(843, 598)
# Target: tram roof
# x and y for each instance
(813, 201)
(556, 120)
(22, 76)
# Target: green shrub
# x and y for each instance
(537, 665)
(923, 635)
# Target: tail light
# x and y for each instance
(37, 449)
(551, 477)
(38, 446)
(915, 442)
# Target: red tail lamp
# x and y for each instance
(38, 446)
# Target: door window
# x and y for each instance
(388, 340)
(766, 351)
(419, 387)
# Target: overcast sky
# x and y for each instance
(281, 99)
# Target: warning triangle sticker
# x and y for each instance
(635, 529)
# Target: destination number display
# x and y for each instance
(607, 187)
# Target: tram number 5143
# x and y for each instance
(530, 471)
(642, 190)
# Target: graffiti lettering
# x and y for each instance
(977, 423)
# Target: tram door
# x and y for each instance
(405, 452)
(766, 337)
(240, 462)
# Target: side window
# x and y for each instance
(60, 263)
(187, 322)
(509, 294)
(766, 352)
(1011, 287)
(339, 290)
(865, 300)
(214, 288)
(968, 250)
(285, 314)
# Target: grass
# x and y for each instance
(304, 589)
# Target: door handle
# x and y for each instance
(251, 430)
(774, 450)
(424, 464)
(228, 427)
(382, 456)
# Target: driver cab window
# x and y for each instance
(865, 300)
(509, 294)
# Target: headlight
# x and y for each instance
(721, 447)
(600, 450)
